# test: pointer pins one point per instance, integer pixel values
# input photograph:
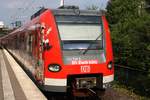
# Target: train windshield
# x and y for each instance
(79, 32)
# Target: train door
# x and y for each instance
(29, 52)
(39, 67)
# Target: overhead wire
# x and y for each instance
(32, 7)
(19, 13)
(16, 12)
(28, 6)
(14, 17)
(102, 2)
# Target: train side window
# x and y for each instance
(23, 42)
(16, 42)
(36, 40)
(29, 44)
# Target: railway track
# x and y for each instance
(87, 94)
(110, 94)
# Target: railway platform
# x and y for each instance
(14, 83)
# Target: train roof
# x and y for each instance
(69, 10)
(76, 12)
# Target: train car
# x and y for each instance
(65, 48)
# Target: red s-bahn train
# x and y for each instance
(64, 48)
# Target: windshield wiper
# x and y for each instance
(90, 45)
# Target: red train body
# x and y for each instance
(65, 48)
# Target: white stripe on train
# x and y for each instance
(63, 82)
(107, 79)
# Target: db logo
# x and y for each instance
(85, 69)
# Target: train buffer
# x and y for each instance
(14, 83)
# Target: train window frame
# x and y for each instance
(78, 19)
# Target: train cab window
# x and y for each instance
(78, 32)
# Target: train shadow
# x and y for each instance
(65, 96)
(55, 95)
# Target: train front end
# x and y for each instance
(80, 51)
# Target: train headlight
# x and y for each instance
(54, 67)
(110, 65)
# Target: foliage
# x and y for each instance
(147, 6)
(128, 91)
(130, 28)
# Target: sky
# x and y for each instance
(14, 10)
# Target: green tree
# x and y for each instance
(130, 28)
(147, 6)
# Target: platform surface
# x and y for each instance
(14, 82)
